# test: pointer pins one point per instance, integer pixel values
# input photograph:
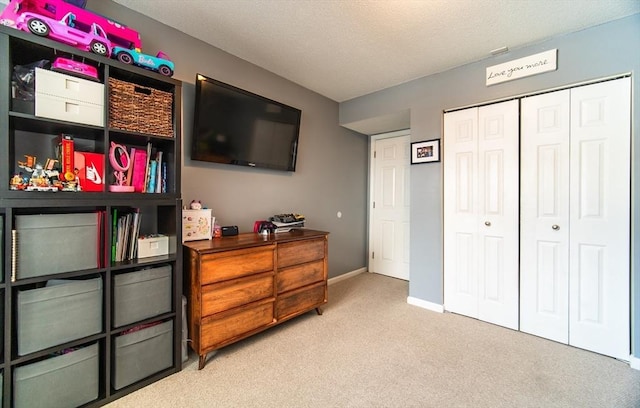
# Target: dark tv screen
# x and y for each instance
(235, 126)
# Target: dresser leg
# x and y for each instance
(319, 311)
(202, 360)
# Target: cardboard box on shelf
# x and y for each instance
(90, 170)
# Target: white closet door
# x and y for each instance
(600, 218)
(544, 212)
(498, 203)
(481, 213)
(460, 161)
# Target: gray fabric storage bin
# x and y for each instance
(1, 255)
(68, 380)
(142, 353)
(141, 294)
(65, 311)
(55, 243)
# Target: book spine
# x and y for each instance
(164, 177)
(159, 172)
(132, 156)
(68, 168)
(153, 174)
(114, 234)
(146, 170)
(14, 254)
(139, 168)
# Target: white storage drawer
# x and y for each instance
(68, 380)
(69, 87)
(55, 107)
(63, 97)
(141, 294)
(65, 311)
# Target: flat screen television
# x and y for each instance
(235, 126)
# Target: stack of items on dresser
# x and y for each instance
(287, 222)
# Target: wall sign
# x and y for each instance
(522, 67)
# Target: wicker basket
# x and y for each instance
(137, 108)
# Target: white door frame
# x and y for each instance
(397, 133)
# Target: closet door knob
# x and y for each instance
(555, 227)
(487, 223)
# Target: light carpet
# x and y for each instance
(371, 348)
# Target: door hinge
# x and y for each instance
(374, 204)
(373, 255)
(374, 154)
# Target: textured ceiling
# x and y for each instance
(343, 49)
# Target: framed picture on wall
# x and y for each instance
(427, 151)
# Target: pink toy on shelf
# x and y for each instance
(83, 20)
(75, 68)
(64, 31)
(120, 161)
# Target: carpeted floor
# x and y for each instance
(372, 349)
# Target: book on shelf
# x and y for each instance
(132, 156)
(159, 172)
(139, 170)
(153, 175)
(164, 177)
(126, 228)
(146, 170)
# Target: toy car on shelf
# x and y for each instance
(64, 30)
(160, 63)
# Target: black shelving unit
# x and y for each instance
(23, 133)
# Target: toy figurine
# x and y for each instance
(195, 205)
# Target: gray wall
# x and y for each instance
(331, 173)
(597, 52)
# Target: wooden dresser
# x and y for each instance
(240, 285)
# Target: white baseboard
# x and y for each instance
(434, 307)
(347, 275)
(634, 362)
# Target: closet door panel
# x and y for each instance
(544, 215)
(600, 218)
(498, 164)
(461, 212)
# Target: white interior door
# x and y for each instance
(460, 164)
(389, 254)
(498, 206)
(544, 216)
(481, 213)
(600, 218)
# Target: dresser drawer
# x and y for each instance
(223, 329)
(298, 276)
(294, 253)
(300, 301)
(227, 265)
(218, 297)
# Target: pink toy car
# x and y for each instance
(64, 31)
(75, 68)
